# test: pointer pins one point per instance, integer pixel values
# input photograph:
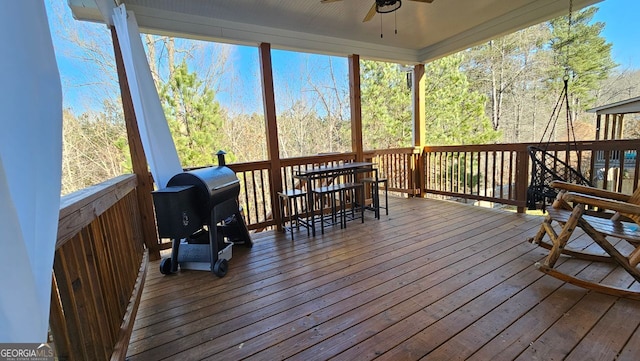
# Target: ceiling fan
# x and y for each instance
(381, 6)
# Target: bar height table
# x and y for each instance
(349, 170)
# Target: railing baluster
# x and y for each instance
(493, 173)
(511, 180)
(636, 173)
(479, 173)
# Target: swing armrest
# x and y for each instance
(602, 203)
(597, 192)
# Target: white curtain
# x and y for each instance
(158, 145)
(30, 170)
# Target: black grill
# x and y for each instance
(198, 201)
(213, 186)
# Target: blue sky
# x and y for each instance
(622, 30)
(82, 83)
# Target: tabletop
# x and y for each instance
(334, 168)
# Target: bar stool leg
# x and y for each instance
(386, 197)
(354, 198)
(321, 213)
(334, 209)
(342, 194)
(376, 198)
(306, 215)
(296, 214)
(361, 191)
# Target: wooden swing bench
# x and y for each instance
(618, 216)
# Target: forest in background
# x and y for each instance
(502, 91)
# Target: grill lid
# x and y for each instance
(214, 185)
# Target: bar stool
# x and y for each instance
(290, 199)
(355, 192)
(374, 183)
(329, 193)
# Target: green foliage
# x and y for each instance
(386, 106)
(522, 74)
(580, 53)
(455, 113)
(508, 71)
(194, 117)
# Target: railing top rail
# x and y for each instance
(80, 208)
(596, 145)
(553, 146)
(249, 166)
(73, 201)
(477, 147)
(406, 150)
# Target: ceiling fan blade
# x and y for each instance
(332, 1)
(370, 14)
(423, 1)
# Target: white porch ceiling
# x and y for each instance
(425, 31)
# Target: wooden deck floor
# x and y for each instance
(434, 280)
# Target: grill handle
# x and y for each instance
(228, 184)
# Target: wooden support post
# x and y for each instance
(419, 123)
(356, 107)
(620, 126)
(273, 146)
(420, 175)
(138, 159)
(522, 183)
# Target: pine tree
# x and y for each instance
(386, 106)
(581, 54)
(194, 117)
(455, 113)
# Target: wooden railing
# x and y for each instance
(291, 166)
(608, 164)
(495, 173)
(400, 166)
(255, 195)
(255, 198)
(501, 173)
(99, 270)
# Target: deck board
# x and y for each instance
(432, 280)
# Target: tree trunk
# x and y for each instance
(151, 48)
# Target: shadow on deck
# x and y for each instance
(434, 280)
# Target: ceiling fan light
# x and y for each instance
(387, 6)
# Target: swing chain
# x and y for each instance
(569, 41)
